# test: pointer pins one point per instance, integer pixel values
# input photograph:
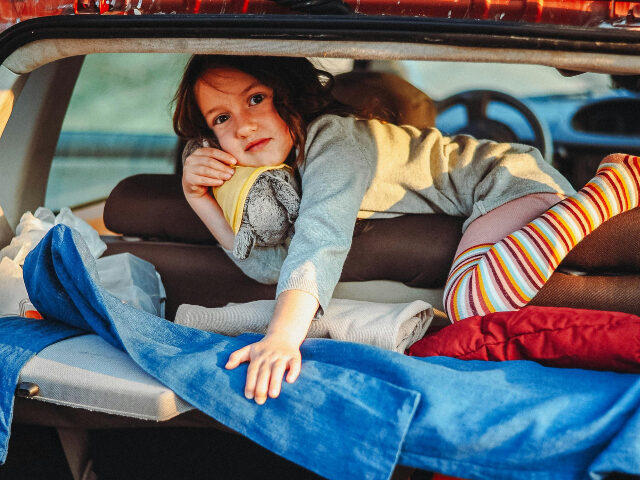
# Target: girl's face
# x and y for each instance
(240, 111)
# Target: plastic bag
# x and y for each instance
(92, 238)
(29, 232)
(134, 281)
(33, 227)
(14, 299)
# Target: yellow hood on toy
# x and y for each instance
(232, 194)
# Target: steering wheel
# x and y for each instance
(481, 126)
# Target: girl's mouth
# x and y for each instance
(257, 145)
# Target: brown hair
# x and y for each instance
(301, 94)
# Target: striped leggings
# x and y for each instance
(506, 275)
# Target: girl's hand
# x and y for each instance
(204, 168)
(268, 360)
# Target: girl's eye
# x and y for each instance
(220, 119)
(256, 99)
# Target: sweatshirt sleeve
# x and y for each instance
(338, 169)
(263, 264)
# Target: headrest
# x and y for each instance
(153, 206)
(386, 96)
(414, 249)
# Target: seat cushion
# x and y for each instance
(613, 247)
(87, 372)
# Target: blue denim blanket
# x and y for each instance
(356, 411)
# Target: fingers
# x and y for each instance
(207, 166)
(238, 357)
(294, 370)
(261, 384)
(265, 380)
(252, 379)
(204, 168)
(267, 367)
(217, 154)
(275, 382)
(198, 181)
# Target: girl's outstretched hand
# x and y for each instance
(268, 359)
(279, 350)
(204, 168)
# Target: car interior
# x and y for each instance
(142, 210)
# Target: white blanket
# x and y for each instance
(392, 326)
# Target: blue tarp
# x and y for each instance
(356, 410)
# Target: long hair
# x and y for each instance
(301, 93)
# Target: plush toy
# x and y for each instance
(260, 203)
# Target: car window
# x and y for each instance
(442, 79)
(544, 90)
(118, 124)
(119, 120)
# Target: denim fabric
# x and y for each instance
(20, 339)
(357, 410)
(300, 426)
(508, 420)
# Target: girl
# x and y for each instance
(265, 111)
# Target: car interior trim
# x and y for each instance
(40, 52)
(378, 30)
(35, 117)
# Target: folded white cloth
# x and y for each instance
(392, 326)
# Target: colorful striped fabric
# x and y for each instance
(505, 276)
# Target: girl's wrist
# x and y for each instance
(285, 338)
(292, 317)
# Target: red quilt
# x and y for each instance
(552, 336)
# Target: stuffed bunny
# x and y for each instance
(270, 206)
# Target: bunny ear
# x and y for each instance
(209, 142)
(191, 146)
(244, 242)
(194, 144)
(288, 197)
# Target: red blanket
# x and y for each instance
(558, 337)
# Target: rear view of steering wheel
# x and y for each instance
(479, 125)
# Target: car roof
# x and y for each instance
(598, 36)
(33, 43)
(588, 13)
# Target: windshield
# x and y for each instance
(442, 79)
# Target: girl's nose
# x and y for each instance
(246, 125)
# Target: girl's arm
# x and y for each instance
(279, 350)
(207, 208)
(336, 174)
(204, 168)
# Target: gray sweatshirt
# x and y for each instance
(369, 169)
